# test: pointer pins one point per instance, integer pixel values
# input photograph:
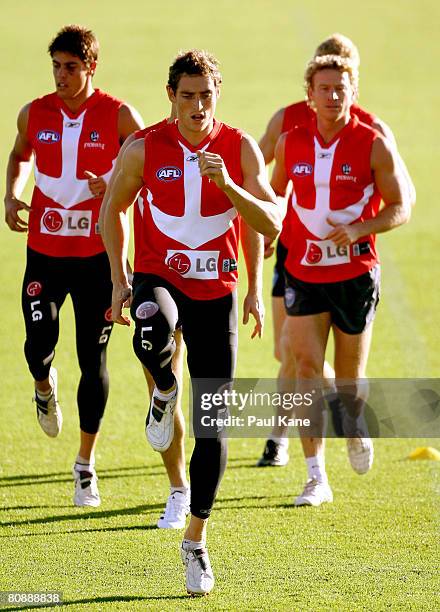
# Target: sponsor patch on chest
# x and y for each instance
(60, 222)
(202, 265)
(325, 253)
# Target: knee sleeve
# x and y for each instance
(153, 341)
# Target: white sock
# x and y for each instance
(281, 441)
(192, 545)
(43, 395)
(184, 490)
(164, 396)
(84, 465)
(316, 468)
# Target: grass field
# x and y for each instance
(376, 546)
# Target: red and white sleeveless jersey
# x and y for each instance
(190, 230)
(330, 180)
(64, 217)
(300, 114)
(138, 205)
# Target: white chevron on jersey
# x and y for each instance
(191, 229)
(315, 220)
(67, 190)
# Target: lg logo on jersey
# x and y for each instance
(168, 173)
(66, 222)
(202, 265)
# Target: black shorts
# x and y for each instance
(278, 280)
(351, 303)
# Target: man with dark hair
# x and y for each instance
(73, 135)
(200, 177)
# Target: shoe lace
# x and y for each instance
(310, 485)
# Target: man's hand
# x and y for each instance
(213, 166)
(12, 206)
(268, 247)
(253, 304)
(121, 298)
(97, 185)
(343, 235)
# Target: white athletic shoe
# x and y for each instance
(49, 412)
(159, 425)
(86, 488)
(199, 576)
(315, 493)
(360, 453)
(176, 510)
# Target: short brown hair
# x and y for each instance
(193, 62)
(338, 44)
(335, 62)
(76, 40)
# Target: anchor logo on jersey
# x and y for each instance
(192, 229)
(315, 219)
(67, 189)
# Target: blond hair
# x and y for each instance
(335, 62)
(338, 44)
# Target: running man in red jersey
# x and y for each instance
(300, 113)
(177, 505)
(200, 177)
(74, 136)
(340, 169)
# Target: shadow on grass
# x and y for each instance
(71, 531)
(25, 480)
(102, 600)
(79, 514)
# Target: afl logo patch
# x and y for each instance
(289, 297)
(34, 288)
(169, 173)
(52, 221)
(146, 310)
(48, 136)
(302, 169)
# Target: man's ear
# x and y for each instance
(170, 93)
(92, 68)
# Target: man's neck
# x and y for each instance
(73, 104)
(195, 138)
(329, 128)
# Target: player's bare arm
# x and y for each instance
(253, 248)
(391, 183)
(386, 131)
(18, 170)
(116, 169)
(255, 200)
(129, 120)
(123, 193)
(270, 137)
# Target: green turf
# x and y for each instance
(376, 546)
